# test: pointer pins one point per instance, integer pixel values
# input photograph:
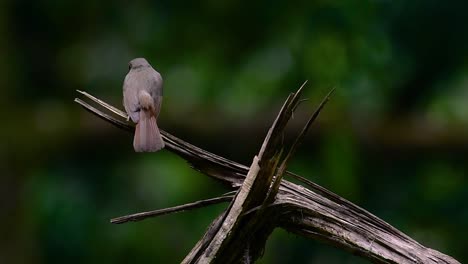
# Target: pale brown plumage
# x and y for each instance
(142, 92)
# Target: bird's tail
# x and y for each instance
(147, 137)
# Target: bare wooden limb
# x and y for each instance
(312, 212)
(219, 168)
(176, 209)
(118, 123)
(105, 105)
(233, 234)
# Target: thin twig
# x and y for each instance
(190, 206)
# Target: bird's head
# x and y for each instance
(138, 63)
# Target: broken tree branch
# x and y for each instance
(180, 208)
(239, 236)
(311, 211)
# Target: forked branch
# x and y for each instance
(263, 203)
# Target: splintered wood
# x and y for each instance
(264, 201)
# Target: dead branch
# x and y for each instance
(180, 208)
(239, 234)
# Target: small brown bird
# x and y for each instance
(142, 98)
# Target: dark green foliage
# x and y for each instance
(393, 139)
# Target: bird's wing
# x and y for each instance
(130, 96)
(157, 91)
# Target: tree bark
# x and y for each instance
(265, 201)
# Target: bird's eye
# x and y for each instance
(129, 66)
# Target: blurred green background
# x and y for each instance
(393, 139)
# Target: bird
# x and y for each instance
(142, 99)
